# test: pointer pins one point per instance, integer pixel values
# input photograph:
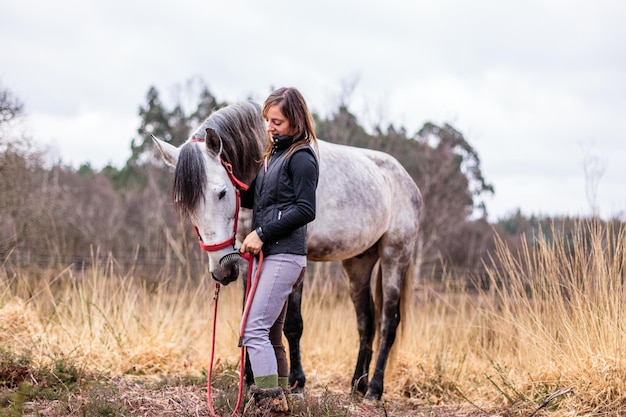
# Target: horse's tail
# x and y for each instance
(405, 296)
(378, 300)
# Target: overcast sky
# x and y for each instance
(538, 87)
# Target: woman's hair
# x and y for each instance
(293, 106)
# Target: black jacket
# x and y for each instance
(282, 197)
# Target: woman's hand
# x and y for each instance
(251, 244)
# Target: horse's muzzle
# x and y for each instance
(229, 264)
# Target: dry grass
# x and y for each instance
(552, 323)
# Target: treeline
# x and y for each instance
(122, 217)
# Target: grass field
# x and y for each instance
(546, 337)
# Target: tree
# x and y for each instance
(450, 140)
(172, 125)
(10, 106)
(14, 162)
(594, 170)
(342, 127)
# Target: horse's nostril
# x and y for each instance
(231, 258)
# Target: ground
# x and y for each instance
(125, 398)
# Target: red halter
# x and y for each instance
(239, 185)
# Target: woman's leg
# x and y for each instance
(278, 275)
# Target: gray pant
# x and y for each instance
(279, 274)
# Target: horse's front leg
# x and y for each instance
(293, 332)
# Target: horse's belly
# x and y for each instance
(334, 237)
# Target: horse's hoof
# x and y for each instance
(371, 398)
(370, 401)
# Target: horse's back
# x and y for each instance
(362, 195)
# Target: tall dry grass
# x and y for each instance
(550, 324)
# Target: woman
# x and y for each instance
(283, 201)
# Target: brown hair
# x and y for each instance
(293, 106)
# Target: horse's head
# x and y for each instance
(206, 193)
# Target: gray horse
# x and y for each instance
(368, 210)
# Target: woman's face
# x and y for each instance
(277, 123)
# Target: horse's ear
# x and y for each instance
(169, 152)
(213, 141)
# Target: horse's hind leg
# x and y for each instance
(359, 271)
(293, 332)
(393, 275)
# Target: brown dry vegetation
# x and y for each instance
(545, 338)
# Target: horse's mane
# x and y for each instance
(241, 129)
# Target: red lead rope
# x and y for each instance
(250, 290)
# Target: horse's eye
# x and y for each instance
(222, 194)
